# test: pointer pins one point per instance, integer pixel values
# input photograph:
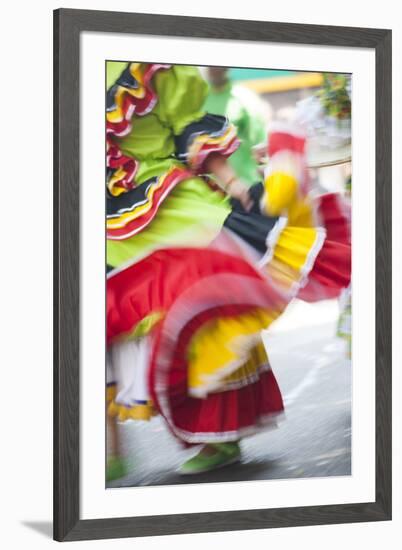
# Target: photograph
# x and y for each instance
(228, 323)
(222, 338)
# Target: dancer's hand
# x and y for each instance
(259, 152)
(238, 190)
(218, 165)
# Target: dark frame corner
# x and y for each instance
(68, 24)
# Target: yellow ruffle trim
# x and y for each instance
(110, 393)
(137, 412)
(293, 255)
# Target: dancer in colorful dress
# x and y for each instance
(186, 298)
(157, 142)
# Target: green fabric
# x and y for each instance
(145, 326)
(113, 71)
(181, 94)
(151, 168)
(240, 106)
(225, 454)
(149, 139)
(116, 468)
(180, 222)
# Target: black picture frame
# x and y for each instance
(68, 24)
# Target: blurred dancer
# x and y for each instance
(186, 298)
(245, 110)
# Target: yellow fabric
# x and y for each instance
(300, 213)
(280, 189)
(110, 393)
(257, 357)
(293, 246)
(116, 178)
(222, 347)
(137, 412)
(291, 255)
(284, 197)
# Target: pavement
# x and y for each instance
(313, 439)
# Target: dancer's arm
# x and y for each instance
(218, 165)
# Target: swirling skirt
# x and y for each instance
(200, 311)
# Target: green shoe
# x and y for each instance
(116, 468)
(225, 454)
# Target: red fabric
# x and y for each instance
(227, 411)
(332, 269)
(153, 283)
(335, 215)
(330, 274)
(279, 141)
(116, 159)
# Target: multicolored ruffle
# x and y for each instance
(131, 94)
(120, 170)
(210, 134)
(130, 212)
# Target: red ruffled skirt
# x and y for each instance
(209, 374)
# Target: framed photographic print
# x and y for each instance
(218, 186)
